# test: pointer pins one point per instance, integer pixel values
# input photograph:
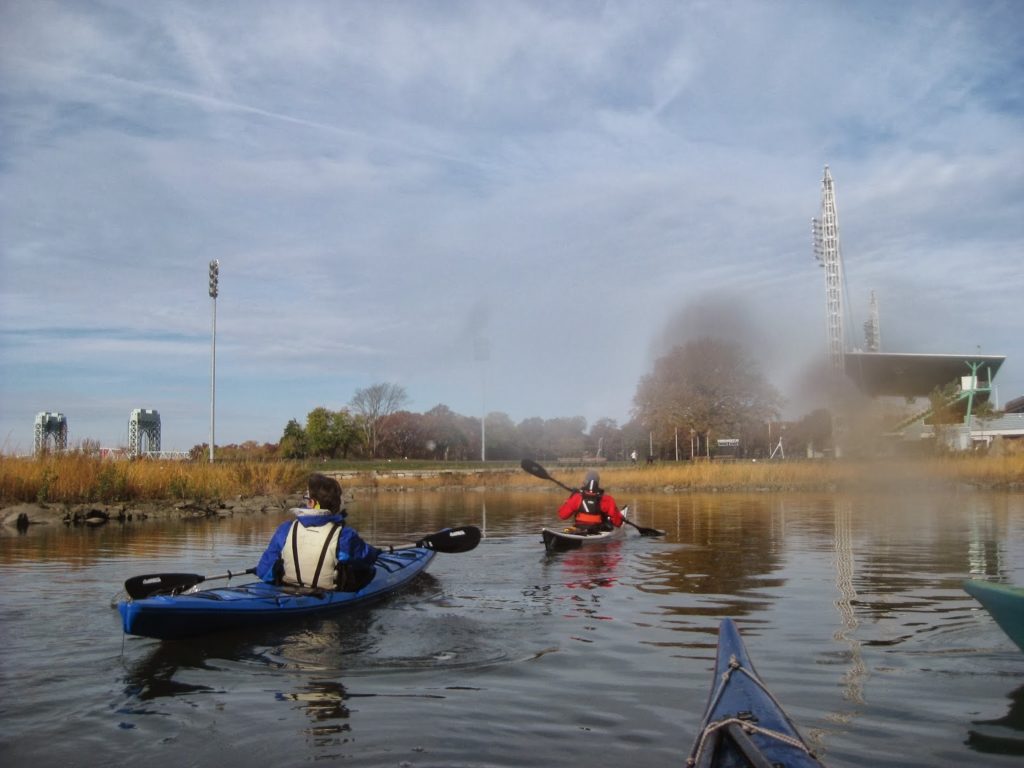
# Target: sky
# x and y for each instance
(499, 206)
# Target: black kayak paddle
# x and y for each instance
(450, 541)
(537, 470)
(150, 584)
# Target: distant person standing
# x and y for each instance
(632, 456)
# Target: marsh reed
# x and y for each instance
(76, 477)
(1005, 472)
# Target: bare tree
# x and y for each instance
(373, 405)
(707, 385)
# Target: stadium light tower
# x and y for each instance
(214, 278)
(826, 250)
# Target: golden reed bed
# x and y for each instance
(76, 477)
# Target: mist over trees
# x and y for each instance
(441, 434)
(707, 386)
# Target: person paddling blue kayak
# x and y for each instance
(313, 565)
(317, 549)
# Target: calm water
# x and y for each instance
(850, 606)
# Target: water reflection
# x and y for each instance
(323, 701)
(580, 576)
(1004, 735)
(844, 563)
(588, 567)
(853, 603)
(162, 669)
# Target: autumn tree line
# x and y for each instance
(697, 394)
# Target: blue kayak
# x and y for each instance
(743, 724)
(1004, 603)
(255, 604)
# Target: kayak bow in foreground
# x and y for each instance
(1004, 603)
(743, 724)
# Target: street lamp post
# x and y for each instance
(482, 353)
(214, 275)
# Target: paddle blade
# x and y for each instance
(139, 587)
(535, 469)
(644, 531)
(452, 540)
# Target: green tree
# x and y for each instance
(320, 437)
(293, 441)
(330, 434)
(345, 431)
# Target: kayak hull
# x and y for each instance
(564, 539)
(741, 715)
(1004, 603)
(255, 604)
(567, 538)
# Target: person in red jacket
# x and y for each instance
(594, 509)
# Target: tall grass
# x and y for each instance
(970, 469)
(77, 477)
(868, 474)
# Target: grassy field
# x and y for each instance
(76, 477)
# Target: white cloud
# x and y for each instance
(370, 178)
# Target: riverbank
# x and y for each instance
(77, 491)
(24, 515)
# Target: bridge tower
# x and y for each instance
(50, 425)
(825, 230)
(143, 423)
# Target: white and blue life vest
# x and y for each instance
(310, 555)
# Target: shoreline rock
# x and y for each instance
(19, 518)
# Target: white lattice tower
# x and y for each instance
(144, 422)
(826, 250)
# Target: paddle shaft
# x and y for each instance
(449, 541)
